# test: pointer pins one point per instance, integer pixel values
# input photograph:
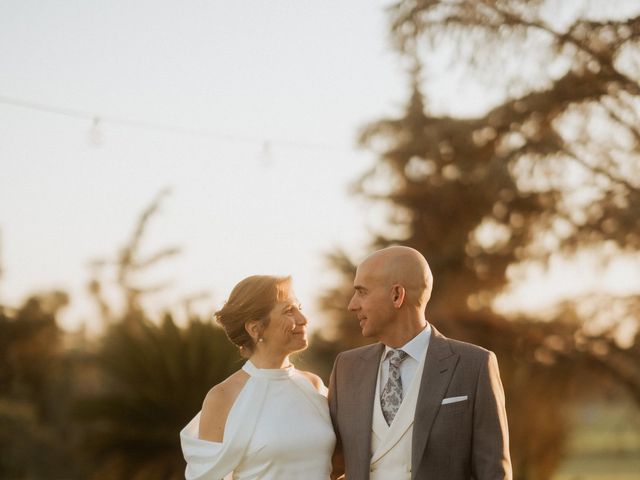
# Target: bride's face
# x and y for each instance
(287, 328)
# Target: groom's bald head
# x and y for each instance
(404, 266)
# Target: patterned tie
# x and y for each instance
(391, 396)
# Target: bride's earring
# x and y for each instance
(254, 330)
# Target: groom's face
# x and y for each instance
(371, 301)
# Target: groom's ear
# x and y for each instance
(397, 295)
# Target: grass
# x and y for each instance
(605, 445)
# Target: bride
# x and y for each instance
(268, 420)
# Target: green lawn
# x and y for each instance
(601, 467)
(606, 444)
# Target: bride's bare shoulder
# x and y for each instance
(217, 404)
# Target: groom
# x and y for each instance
(416, 405)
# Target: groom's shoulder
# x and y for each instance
(467, 349)
(460, 347)
(360, 351)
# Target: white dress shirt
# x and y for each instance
(416, 349)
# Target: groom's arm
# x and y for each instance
(337, 460)
(490, 450)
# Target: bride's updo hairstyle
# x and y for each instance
(251, 299)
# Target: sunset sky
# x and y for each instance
(271, 96)
(248, 111)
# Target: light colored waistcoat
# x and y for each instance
(391, 444)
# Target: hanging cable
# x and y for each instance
(162, 127)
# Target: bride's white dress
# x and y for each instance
(279, 428)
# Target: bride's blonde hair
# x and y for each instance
(251, 299)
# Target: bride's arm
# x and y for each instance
(217, 404)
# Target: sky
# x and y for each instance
(270, 97)
(248, 111)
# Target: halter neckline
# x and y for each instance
(269, 373)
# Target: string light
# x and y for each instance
(95, 133)
(97, 121)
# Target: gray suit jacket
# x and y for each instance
(455, 441)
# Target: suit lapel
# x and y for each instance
(439, 366)
(366, 374)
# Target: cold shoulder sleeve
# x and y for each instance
(214, 460)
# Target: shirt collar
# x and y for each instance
(415, 347)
